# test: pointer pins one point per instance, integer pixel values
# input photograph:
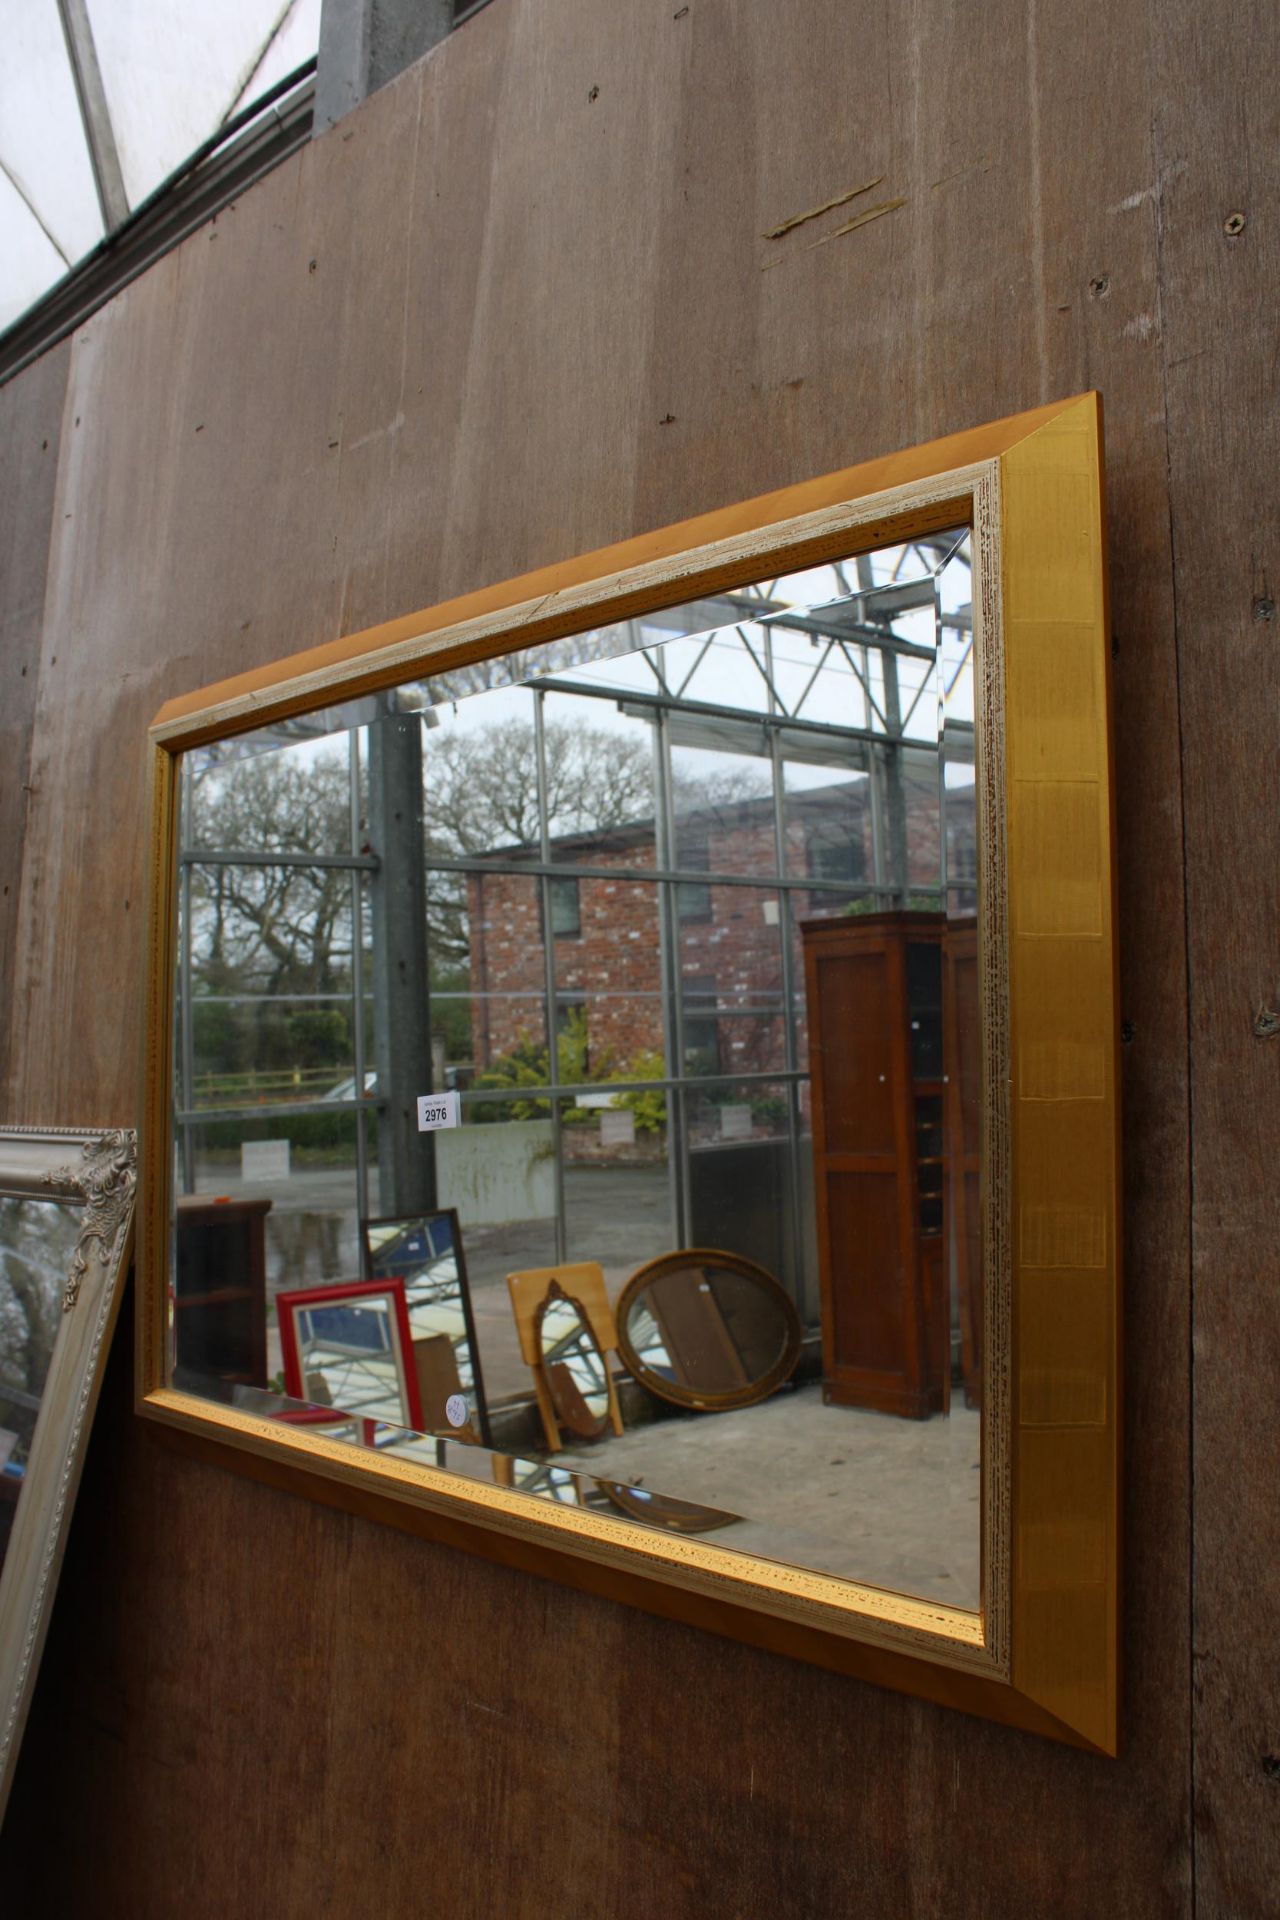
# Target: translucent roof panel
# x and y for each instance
(30, 260)
(49, 214)
(173, 72)
(295, 40)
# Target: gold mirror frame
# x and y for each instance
(1042, 1652)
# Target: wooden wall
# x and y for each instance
(517, 305)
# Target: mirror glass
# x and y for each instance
(660, 1510)
(37, 1241)
(705, 1329)
(347, 1348)
(425, 1251)
(676, 921)
(574, 1365)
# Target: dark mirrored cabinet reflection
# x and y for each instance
(676, 923)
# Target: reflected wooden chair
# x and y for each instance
(582, 1281)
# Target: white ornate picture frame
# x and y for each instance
(96, 1171)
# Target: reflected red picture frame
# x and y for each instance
(296, 1300)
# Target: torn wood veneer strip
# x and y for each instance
(859, 220)
(841, 199)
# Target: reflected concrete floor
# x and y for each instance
(895, 1503)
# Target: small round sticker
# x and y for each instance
(456, 1410)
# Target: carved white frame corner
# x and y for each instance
(41, 1164)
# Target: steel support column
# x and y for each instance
(365, 43)
(401, 1007)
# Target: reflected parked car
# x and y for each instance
(346, 1089)
(455, 1079)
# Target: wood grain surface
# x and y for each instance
(30, 432)
(1218, 134)
(490, 320)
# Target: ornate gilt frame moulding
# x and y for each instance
(95, 1171)
(1042, 1652)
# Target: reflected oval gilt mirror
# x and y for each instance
(660, 1510)
(708, 1330)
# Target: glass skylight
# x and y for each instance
(173, 72)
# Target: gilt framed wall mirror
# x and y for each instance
(739, 898)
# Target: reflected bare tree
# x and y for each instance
(264, 932)
(482, 786)
(284, 928)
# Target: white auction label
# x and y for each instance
(456, 1410)
(437, 1110)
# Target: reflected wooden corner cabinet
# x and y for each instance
(1026, 1175)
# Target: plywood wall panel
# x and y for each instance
(167, 500)
(517, 305)
(1218, 134)
(563, 273)
(284, 1710)
(30, 433)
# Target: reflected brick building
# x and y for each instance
(607, 931)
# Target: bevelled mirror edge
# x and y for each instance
(1012, 1667)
